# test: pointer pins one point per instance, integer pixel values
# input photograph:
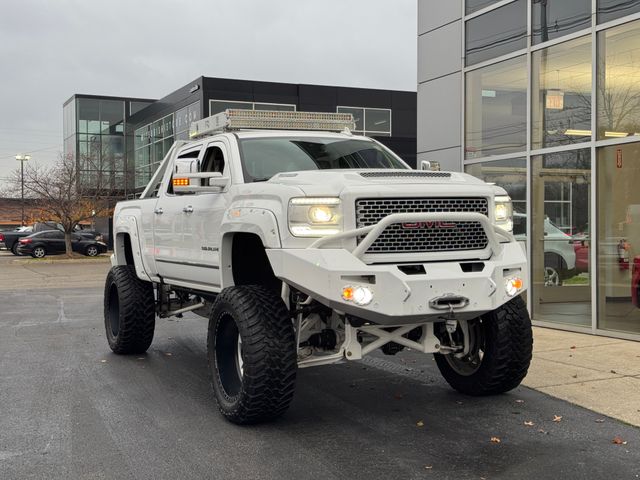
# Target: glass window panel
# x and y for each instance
(561, 209)
(475, 5)
(510, 175)
(496, 33)
(83, 126)
(377, 120)
(112, 116)
(555, 18)
(218, 106)
(167, 124)
(619, 237)
(561, 94)
(358, 116)
(88, 109)
(193, 113)
(496, 109)
(94, 127)
(612, 9)
(281, 107)
(619, 81)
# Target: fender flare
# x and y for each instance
(128, 225)
(256, 221)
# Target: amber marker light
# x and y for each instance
(180, 182)
(347, 293)
(513, 285)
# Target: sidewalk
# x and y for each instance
(598, 373)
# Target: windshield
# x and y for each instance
(262, 158)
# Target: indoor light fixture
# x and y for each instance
(578, 133)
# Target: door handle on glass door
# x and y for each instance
(188, 209)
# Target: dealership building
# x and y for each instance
(121, 141)
(542, 97)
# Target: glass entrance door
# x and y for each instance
(561, 206)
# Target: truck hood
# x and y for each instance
(334, 182)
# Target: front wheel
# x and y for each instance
(501, 344)
(252, 354)
(91, 251)
(129, 311)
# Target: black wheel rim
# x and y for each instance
(114, 310)
(470, 363)
(228, 355)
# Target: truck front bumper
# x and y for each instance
(461, 289)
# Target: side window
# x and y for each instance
(213, 160)
(182, 158)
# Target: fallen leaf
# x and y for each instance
(557, 418)
(428, 467)
(599, 420)
(495, 440)
(613, 371)
(529, 423)
(573, 347)
(540, 430)
(519, 401)
(103, 361)
(420, 423)
(618, 441)
(168, 354)
(575, 376)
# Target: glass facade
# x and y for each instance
(486, 37)
(546, 115)
(94, 135)
(372, 122)
(496, 109)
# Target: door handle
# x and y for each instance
(158, 211)
(188, 209)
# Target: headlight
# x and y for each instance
(314, 217)
(504, 213)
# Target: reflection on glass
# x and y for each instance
(619, 82)
(561, 94)
(561, 192)
(475, 5)
(619, 237)
(358, 116)
(510, 175)
(280, 107)
(496, 33)
(218, 106)
(612, 9)
(496, 109)
(377, 120)
(554, 18)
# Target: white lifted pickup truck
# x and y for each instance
(306, 245)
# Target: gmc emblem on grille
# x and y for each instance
(416, 225)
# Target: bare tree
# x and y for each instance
(63, 193)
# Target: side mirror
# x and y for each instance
(429, 166)
(193, 182)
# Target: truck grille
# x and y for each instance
(409, 238)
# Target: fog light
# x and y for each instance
(513, 285)
(358, 295)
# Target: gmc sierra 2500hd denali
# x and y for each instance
(306, 245)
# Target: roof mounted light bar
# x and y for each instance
(236, 119)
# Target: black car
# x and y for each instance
(52, 242)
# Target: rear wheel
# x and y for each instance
(252, 354)
(501, 344)
(129, 311)
(14, 249)
(38, 252)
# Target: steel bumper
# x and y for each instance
(400, 298)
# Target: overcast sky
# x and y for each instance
(51, 49)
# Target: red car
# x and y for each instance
(635, 281)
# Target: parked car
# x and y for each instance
(559, 253)
(51, 242)
(9, 239)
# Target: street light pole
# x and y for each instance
(22, 158)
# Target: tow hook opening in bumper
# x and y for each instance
(449, 302)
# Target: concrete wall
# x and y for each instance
(440, 80)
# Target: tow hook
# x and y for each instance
(449, 302)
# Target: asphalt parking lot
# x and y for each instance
(71, 409)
